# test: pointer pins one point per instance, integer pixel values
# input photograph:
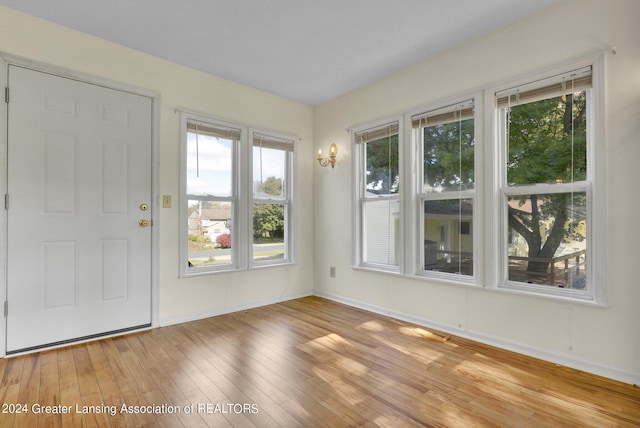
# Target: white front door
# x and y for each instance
(79, 184)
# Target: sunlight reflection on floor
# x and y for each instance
(347, 392)
(372, 326)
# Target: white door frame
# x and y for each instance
(5, 61)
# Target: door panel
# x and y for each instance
(79, 166)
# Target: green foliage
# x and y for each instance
(272, 186)
(382, 160)
(199, 238)
(268, 220)
(547, 144)
(449, 155)
(547, 141)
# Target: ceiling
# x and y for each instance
(309, 51)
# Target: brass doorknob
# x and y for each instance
(143, 223)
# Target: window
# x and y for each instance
(211, 195)
(377, 181)
(221, 229)
(546, 184)
(272, 160)
(540, 212)
(465, 228)
(445, 140)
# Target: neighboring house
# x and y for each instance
(383, 231)
(447, 232)
(210, 222)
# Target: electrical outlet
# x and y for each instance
(332, 271)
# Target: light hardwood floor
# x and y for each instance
(307, 362)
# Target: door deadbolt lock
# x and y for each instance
(143, 223)
(144, 207)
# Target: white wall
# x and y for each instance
(182, 299)
(604, 340)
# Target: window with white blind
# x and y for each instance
(444, 138)
(377, 188)
(209, 203)
(233, 215)
(271, 198)
(550, 168)
(502, 188)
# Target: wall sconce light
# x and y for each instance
(333, 153)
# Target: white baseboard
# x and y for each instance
(227, 309)
(560, 359)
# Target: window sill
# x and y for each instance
(452, 279)
(269, 265)
(552, 293)
(194, 273)
(377, 269)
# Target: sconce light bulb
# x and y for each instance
(331, 160)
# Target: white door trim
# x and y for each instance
(5, 61)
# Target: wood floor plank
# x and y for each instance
(49, 394)
(30, 389)
(227, 379)
(108, 385)
(290, 374)
(306, 362)
(334, 376)
(173, 381)
(69, 386)
(254, 386)
(13, 371)
(276, 346)
(9, 396)
(113, 350)
(90, 397)
(258, 365)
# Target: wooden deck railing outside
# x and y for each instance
(553, 272)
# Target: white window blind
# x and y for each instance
(555, 86)
(210, 130)
(270, 142)
(377, 133)
(449, 114)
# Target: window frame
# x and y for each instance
(593, 186)
(241, 199)
(237, 253)
(359, 198)
(286, 200)
(418, 197)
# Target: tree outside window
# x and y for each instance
(271, 198)
(547, 188)
(446, 137)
